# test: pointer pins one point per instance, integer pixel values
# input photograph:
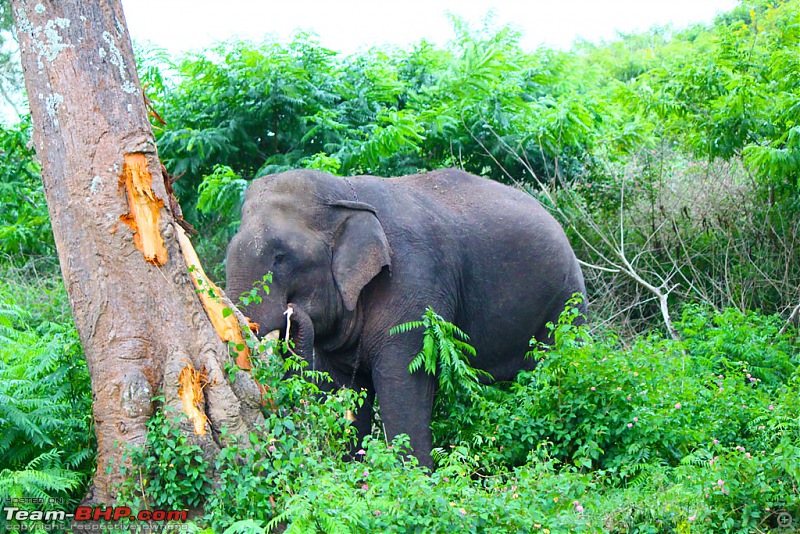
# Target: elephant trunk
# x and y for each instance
(302, 333)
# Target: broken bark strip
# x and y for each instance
(225, 324)
(190, 390)
(144, 209)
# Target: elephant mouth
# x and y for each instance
(269, 338)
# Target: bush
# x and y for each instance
(24, 221)
(47, 447)
(220, 195)
(655, 436)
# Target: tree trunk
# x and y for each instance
(140, 320)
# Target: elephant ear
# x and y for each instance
(360, 249)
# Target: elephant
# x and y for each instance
(354, 257)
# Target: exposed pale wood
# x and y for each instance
(144, 209)
(228, 321)
(226, 324)
(190, 390)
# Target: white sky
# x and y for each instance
(347, 25)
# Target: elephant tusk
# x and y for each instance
(288, 313)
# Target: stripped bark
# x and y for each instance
(145, 209)
(139, 317)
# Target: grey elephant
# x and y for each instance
(356, 256)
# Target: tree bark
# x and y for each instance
(141, 323)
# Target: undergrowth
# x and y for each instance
(657, 436)
(47, 445)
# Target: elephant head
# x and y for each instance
(321, 247)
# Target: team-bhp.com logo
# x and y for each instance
(91, 513)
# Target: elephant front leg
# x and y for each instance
(406, 402)
(302, 333)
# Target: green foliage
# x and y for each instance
(606, 407)
(655, 436)
(24, 222)
(47, 445)
(46, 439)
(687, 415)
(245, 526)
(169, 470)
(739, 94)
(252, 296)
(745, 343)
(322, 162)
(221, 192)
(445, 355)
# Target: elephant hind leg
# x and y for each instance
(364, 414)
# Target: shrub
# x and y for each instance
(46, 444)
(655, 436)
(24, 221)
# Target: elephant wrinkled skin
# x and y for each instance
(355, 257)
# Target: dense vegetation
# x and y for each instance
(673, 160)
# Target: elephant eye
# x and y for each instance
(279, 257)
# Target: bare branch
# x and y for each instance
(789, 320)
